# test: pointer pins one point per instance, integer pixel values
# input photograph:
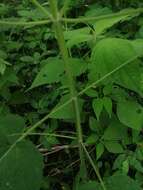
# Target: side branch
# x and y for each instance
(21, 23)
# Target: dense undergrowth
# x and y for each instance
(71, 95)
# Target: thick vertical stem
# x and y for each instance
(73, 93)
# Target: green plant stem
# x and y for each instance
(97, 18)
(94, 167)
(21, 23)
(73, 93)
(47, 134)
(73, 20)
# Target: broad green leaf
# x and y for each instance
(78, 66)
(116, 131)
(67, 111)
(53, 69)
(97, 105)
(113, 147)
(10, 125)
(109, 54)
(22, 168)
(49, 73)
(99, 150)
(130, 113)
(138, 46)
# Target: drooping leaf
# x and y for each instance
(2, 66)
(97, 105)
(99, 150)
(109, 54)
(21, 168)
(94, 125)
(107, 102)
(125, 166)
(130, 113)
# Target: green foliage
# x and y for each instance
(111, 53)
(114, 182)
(71, 118)
(130, 113)
(22, 168)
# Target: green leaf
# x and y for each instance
(92, 139)
(107, 102)
(66, 112)
(50, 73)
(103, 24)
(125, 166)
(91, 185)
(2, 66)
(97, 10)
(78, 66)
(120, 181)
(97, 105)
(115, 182)
(77, 36)
(21, 168)
(94, 125)
(113, 147)
(108, 55)
(116, 131)
(99, 150)
(10, 125)
(138, 46)
(130, 113)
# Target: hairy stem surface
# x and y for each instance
(73, 93)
